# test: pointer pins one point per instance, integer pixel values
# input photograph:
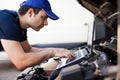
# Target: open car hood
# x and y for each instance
(104, 9)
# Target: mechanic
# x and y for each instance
(13, 34)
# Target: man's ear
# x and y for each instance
(30, 12)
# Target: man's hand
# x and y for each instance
(62, 53)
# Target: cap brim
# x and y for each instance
(52, 15)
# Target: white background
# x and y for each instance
(69, 28)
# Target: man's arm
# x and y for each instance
(23, 55)
(23, 59)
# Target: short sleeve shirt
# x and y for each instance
(10, 28)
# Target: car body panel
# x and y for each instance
(104, 9)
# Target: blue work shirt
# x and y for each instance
(10, 27)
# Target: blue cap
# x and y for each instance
(42, 4)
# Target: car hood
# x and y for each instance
(106, 10)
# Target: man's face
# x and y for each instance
(37, 21)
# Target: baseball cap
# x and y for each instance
(42, 4)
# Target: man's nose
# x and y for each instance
(46, 22)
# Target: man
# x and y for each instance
(13, 33)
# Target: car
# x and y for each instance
(92, 58)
